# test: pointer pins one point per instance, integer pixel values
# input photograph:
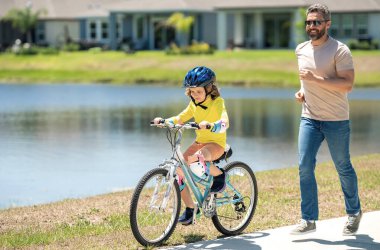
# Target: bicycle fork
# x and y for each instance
(168, 164)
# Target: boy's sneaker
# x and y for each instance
(219, 183)
(304, 227)
(187, 216)
(352, 224)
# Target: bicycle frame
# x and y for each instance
(174, 163)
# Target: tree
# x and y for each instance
(181, 23)
(300, 25)
(24, 19)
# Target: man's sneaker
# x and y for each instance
(219, 183)
(352, 224)
(304, 227)
(187, 216)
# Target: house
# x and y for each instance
(272, 23)
(221, 23)
(66, 20)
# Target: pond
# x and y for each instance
(69, 141)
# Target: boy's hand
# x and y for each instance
(157, 120)
(205, 125)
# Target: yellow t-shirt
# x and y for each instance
(214, 112)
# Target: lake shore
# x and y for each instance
(249, 68)
(103, 221)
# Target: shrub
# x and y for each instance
(18, 48)
(47, 50)
(95, 50)
(194, 48)
(363, 45)
(70, 47)
(353, 44)
(375, 44)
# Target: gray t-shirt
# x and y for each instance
(325, 60)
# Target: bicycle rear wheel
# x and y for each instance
(233, 217)
(154, 208)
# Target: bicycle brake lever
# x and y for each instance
(194, 125)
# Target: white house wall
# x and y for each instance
(373, 23)
(238, 29)
(55, 31)
(258, 39)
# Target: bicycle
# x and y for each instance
(156, 201)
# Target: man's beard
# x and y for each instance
(317, 35)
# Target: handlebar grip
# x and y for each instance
(162, 121)
(194, 125)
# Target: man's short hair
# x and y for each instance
(321, 9)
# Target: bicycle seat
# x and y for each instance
(227, 154)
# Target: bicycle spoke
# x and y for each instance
(233, 217)
(152, 222)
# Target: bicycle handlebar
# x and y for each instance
(189, 125)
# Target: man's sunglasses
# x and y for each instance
(315, 22)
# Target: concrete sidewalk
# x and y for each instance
(328, 236)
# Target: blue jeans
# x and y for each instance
(337, 135)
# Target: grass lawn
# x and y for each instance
(103, 221)
(267, 68)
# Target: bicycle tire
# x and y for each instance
(150, 225)
(224, 219)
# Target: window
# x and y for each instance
(140, 28)
(40, 32)
(361, 24)
(117, 30)
(348, 25)
(104, 30)
(247, 25)
(92, 30)
(335, 23)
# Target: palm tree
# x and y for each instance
(24, 19)
(181, 23)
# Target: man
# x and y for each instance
(326, 73)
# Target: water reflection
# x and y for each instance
(50, 151)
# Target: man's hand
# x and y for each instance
(300, 96)
(308, 75)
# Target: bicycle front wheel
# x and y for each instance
(241, 192)
(154, 208)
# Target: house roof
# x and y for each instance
(251, 4)
(151, 6)
(75, 9)
(62, 9)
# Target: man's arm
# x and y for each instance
(343, 82)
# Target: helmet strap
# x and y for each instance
(199, 104)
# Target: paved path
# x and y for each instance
(328, 236)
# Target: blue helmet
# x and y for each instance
(199, 77)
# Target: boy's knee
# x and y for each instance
(200, 167)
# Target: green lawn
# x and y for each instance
(267, 68)
(103, 221)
